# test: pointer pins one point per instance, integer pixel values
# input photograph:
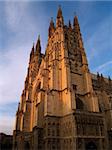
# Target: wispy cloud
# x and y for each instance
(99, 47)
(7, 117)
(14, 57)
(19, 22)
(14, 12)
(13, 71)
(104, 67)
(7, 124)
(13, 60)
(22, 29)
(98, 44)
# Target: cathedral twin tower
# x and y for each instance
(60, 106)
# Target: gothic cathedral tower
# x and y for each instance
(59, 108)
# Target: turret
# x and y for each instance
(51, 28)
(59, 20)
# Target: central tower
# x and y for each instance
(59, 108)
(67, 69)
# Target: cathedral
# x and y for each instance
(63, 106)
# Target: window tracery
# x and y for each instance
(79, 104)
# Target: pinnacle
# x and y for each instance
(52, 19)
(38, 45)
(60, 20)
(70, 24)
(59, 12)
(38, 40)
(32, 52)
(38, 37)
(109, 78)
(51, 22)
(76, 21)
(33, 47)
(51, 27)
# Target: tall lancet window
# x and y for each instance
(79, 104)
(36, 115)
(38, 87)
(110, 102)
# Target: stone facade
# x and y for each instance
(63, 106)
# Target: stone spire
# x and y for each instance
(79, 48)
(51, 28)
(70, 26)
(32, 53)
(98, 75)
(38, 47)
(76, 23)
(18, 106)
(37, 57)
(101, 75)
(77, 33)
(31, 59)
(34, 62)
(59, 20)
(30, 64)
(109, 78)
(59, 12)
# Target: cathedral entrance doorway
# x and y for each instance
(27, 146)
(91, 146)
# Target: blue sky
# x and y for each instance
(20, 25)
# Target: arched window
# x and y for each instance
(79, 104)
(101, 107)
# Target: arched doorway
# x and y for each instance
(91, 146)
(27, 146)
